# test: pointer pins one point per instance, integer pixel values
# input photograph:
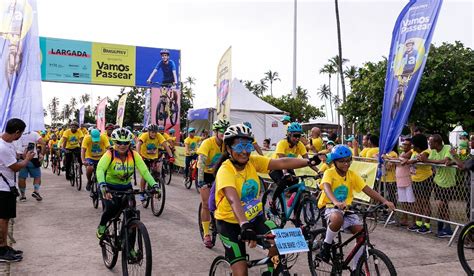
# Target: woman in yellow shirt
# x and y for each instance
(237, 195)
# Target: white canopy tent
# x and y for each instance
(244, 107)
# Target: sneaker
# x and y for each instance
(37, 196)
(22, 198)
(444, 234)
(88, 186)
(142, 197)
(9, 257)
(15, 252)
(424, 230)
(100, 231)
(414, 228)
(325, 253)
(208, 241)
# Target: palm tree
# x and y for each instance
(249, 85)
(53, 107)
(85, 98)
(260, 88)
(324, 93)
(67, 112)
(351, 73)
(190, 81)
(271, 77)
(330, 70)
(73, 104)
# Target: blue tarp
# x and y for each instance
(198, 114)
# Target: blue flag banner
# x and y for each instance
(411, 39)
(20, 78)
(146, 110)
(82, 112)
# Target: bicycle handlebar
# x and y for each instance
(355, 209)
(315, 177)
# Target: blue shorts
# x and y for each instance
(31, 170)
(92, 161)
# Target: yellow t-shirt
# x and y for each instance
(363, 152)
(212, 151)
(390, 173)
(192, 144)
(72, 139)
(283, 147)
(167, 138)
(247, 185)
(149, 148)
(317, 143)
(420, 172)
(84, 131)
(324, 167)
(95, 151)
(372, 153)
(53, 145)
(343, 188)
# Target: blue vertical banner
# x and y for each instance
(20, 63)
(146, 110)
(82, 112)
(411, 39)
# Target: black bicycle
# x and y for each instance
(221, 266)
(75, 174)
(212, 226)
(167, 170)
(128, 234)
(157, 199)
(466, 248)
(94, 194)
(45, 161)
(56, 163)
(375, 263)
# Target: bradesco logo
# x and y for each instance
(68, 53)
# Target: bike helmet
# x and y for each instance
(220, 124)
(164, 52)
(238, 131)
(286, 118)
(43, 132)
(328, 158)
(464, 134)
(122, 135)
(172, 131)
(129, 128)
(340, 151)
(410, 41)
(161, 128)
(74, 123)
(95, 135)
(295, 127)
(191, 129)
(153, 128)
(109, 126)
(247, 124)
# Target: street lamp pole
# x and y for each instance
(293, 91)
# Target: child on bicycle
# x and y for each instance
(339, 185)
(238, 195)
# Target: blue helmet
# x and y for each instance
(247, 124)
(172, 130)
(328, 158)
(340, 151)
(191, 129)
(295, 127)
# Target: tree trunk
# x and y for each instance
(330, 99)
(338, 23)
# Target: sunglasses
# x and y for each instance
(296, 135)
(239, 148)
(345, 160)
(120, 143)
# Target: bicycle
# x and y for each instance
(193, 177)
(157, 199)
(304, 205)
(375, 262)
(168, 104)
(75, 175)
(56, 163)
(167, 170)
(45, 161)
(128, 234)
(94, 193)
(221, 266)
(466, 248)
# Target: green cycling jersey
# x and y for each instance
(115, 172)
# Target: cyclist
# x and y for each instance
(84, 130)
(255, 144)
(53, 145)
(190, 147)
(172, 139)
(114, 172)
(72, 139)
(289, 147)
(238, 194)
(168, 67)
(94, 146)
(339, 185)
(209, 153)
(109, 128)
(148, 145)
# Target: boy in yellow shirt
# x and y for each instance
(190, 148)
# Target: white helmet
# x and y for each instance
(122, 135)
(238, 131)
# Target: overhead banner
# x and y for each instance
(165, 108)
(20, 77)
(224, 77)
(121, 109)
(82, 112)
(146, 109)
(101, 114)
(411, 40)
(87, 62)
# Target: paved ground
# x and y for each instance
(58, 237)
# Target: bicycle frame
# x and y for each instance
(337, 249)
(300, 189)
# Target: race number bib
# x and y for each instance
(252, 209)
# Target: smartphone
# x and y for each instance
(31, 146)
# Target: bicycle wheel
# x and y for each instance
(466, 248)
(201, 231)
(94, 192)
(307, 212)
(58, 166)
(316, 265)
(78, 174)
(72, 175)
(158, 200)
(161, 114)
(220, 266)
(174, 112)
(109, 247)
(275, 214)
(46, 161)
(136, 253)
(376, 264)
(188, 183)
(53, 165)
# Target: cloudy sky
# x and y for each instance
(260, 33)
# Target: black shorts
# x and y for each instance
(229, 235)
(444, 194)
(149, 162)
(7, 205)
(424, 188)
(208, 180)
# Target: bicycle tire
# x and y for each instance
(465, 238)
(307, 212)
(72, 176)
(53, 166)
(170, 172)
(77, 172)
(94, 192)
(166, 172)
(188, 183)
(109, 247)
(316, 265)
(196, 185)
(174, 112)
(158, 200)
(161, 114)
(379, 257)
(46, 161)
(141, 246)
(58, 167)
(269, 214)
(201, 230)
(220, 266)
